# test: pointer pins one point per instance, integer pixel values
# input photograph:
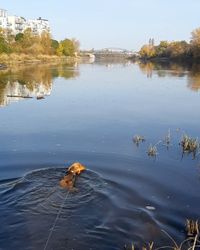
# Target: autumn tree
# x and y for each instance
(195, 43)
(35, 44)
(54, 45)
(28, 38)
(46, 43)
(4, 45)
(66, 48)
(147, 51)
(162, 49)
(178, 49)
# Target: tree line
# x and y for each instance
(177, 50)
(29, 43)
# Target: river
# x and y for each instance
(90, 113)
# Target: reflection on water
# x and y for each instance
(194, 78)
(173, 69)
(21, 82)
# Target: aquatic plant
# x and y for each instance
(137, 139)
(167, 139)
(189, 144)
(152, 149)
(191, 242)
(192, 227)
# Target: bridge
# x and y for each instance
(109, 52)
(113, 51)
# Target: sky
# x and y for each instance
(126, 24)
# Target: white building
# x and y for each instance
(19, 24)
(16, 24)
(3, 18)
(39, 25)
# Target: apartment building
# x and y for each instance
(3, 18)
(19, 24)
(16, 24)
(38, 25)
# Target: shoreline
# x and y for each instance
(13, 59)
(187, 61)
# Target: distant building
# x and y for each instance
(16, 24)
(38, 25)
(3, 18)
(19, 24)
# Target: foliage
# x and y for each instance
(54, 44)
(195, 43)
(177, 50)
(30, 44)
(147, 51)
(66, 48)
(4, 47)
(19, 37)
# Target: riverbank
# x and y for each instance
(186, 60)
(12, 59)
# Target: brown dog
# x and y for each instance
(76, 168)
(69, 179)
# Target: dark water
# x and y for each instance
(90, 113)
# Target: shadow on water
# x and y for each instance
(29, 81)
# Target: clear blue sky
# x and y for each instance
(113, 23)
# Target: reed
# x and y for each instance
(189, 144)
(192, 241)
(137, 139)
(152, 149)
(167, 139)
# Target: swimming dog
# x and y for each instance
(76, 168)
(69, 179)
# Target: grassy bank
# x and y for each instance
(13, 58)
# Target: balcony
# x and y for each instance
(19, 22)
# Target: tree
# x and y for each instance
(66, 48)
(147, 51)
(45, 42)
(54, 44)
(19, 37)
(195, 43)
(179, 49)
(28, 38)
(195, 37)
(4, 45)
(59, 50)
(162, 49)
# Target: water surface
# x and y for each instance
(90, 113)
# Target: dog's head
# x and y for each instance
(76, 168)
